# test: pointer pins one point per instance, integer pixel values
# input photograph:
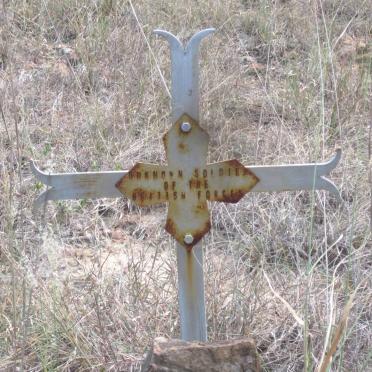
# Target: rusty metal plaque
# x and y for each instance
(187, 182)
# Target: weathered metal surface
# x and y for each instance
(276, 178)
(227, 181)
(191, 293)
(187, 183)
(297, 177)
(185, 73)
(185, 98)
(187, 152)
(148, 184)
(83, 185)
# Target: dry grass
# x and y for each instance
(88, 284)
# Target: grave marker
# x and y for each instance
(187, 183)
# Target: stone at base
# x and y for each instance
(182, 356)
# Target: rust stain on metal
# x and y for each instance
(147, 184)
(182, 147)
(179, 232)
(198, 235)
(189, 266)
(187, 183)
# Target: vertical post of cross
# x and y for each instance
(185, 100)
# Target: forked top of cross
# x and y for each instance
(187, 183)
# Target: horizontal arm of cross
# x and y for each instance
(297, 177)
(84, 185)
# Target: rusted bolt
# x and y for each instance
(188, 239)
(185, 127)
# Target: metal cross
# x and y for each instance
(187, 182)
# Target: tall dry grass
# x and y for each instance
(86, 285)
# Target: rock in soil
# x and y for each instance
(182, 356)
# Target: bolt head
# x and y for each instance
(185, 127)
(188, 239)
